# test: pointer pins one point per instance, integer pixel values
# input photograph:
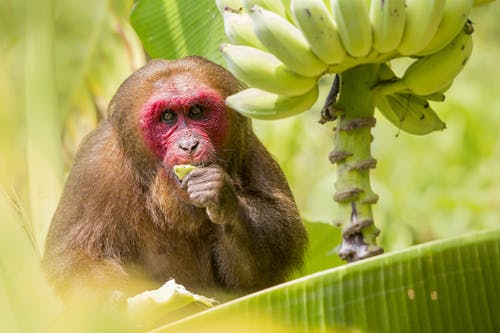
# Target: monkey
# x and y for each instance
(231, 224)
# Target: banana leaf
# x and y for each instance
(176, 28)
(444, 286)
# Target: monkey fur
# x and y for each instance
(231, 224)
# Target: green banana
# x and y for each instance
(238, 27)
(409, 113)
(353, 23)
(454, 17)
(181, 170)
(260, 104)
(435, 72)
(388, 23)
(263, 70)
(286, 42)
(223, 4)
(446, 87)
(318, 27)
(386, 74)
(422, 21)
(274, 6)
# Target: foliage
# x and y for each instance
(435, 287)
(175, 28)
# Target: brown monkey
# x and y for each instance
(231, 224)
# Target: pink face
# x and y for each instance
(184, 123)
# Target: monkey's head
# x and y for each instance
(173, 112)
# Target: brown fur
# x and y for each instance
(121, 215)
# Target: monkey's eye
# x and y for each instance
(196, 112)
(168, 116)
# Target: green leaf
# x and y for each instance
(443, 286)
(177, 28)
(321, 253)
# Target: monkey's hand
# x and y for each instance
(212, 188)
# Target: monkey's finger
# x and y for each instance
(203, 186)
(201, 177)
(192, 178)
(203, 199)
(194, 187)
(205, 172)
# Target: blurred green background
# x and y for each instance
(59, 69)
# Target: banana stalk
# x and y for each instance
(354, 160)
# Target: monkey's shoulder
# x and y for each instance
(99, 171)
(261, 170)
(100, 193)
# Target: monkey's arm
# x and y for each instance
(90, 235)
(260, 236)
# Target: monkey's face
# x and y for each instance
(184, 121)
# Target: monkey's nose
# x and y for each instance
(189, 144)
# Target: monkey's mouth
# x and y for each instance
(197, 164)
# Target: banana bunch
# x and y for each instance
(280, 49)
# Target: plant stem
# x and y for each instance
(355, 111)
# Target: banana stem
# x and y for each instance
(391, 87)
(355, 111)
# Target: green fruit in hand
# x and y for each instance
(182, 170)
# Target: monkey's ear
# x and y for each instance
(111, 107)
